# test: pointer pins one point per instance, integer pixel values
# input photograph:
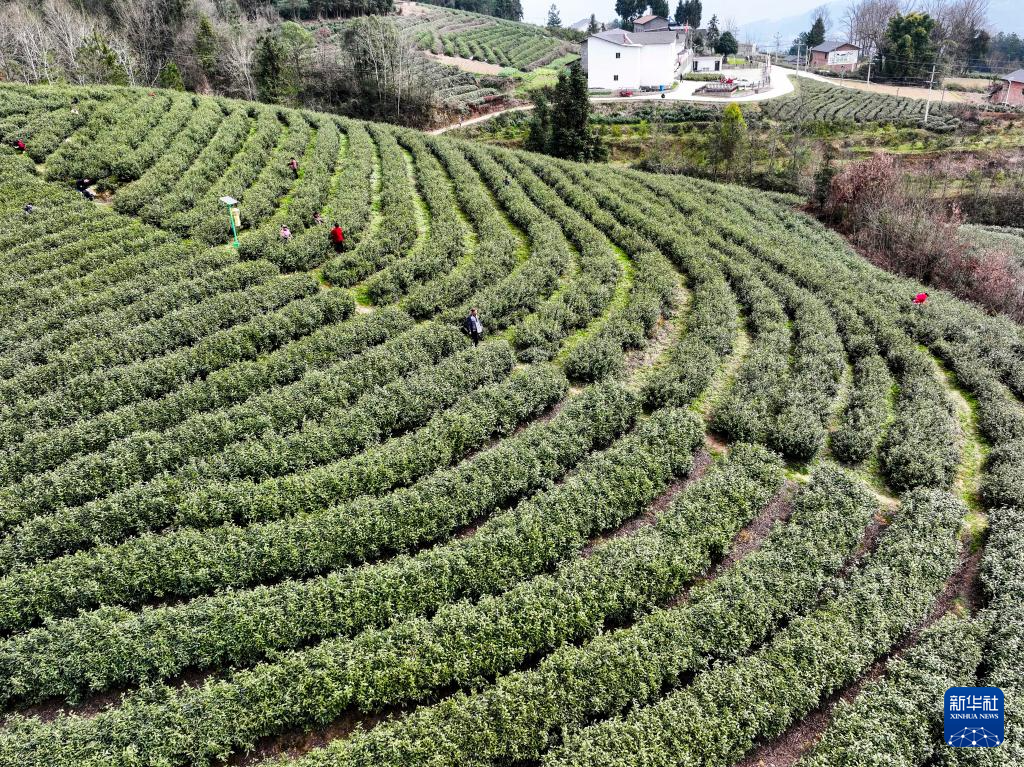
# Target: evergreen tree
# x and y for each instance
(554, 20)
(97, 62)
(268, 69)
(507, 9)
(694, 12)
(907, 50)
(728, 142)
(659, 8)
(816, 36)
(680, 14)
(571, 136)
(979, 47)
(628, 10)
(727, 44)
(297, 43)
(207, 47)
(170, 77)
(593, 27)
(539, 137)
(711, 39)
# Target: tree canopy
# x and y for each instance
(630, 10)
(711, 39)
(660, 8)
(503, 9)
(907, 48)
(816, 35)
(560, 124)
(689, 12)
(727, 44)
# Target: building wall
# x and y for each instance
(637, 65)
(1015, 97)
(705, 64)
(840, 60)
(652, 26)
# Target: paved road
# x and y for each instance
(892, 90)
(685, 91)
(781, 84)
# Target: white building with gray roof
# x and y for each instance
(621, 60)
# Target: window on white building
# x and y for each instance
(615, 78)
(618, 55)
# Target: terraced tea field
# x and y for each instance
(815, 101)
(1003, 239)
(707, 474)
(470, 35)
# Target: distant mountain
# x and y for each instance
(763, 31)
(1003, 15)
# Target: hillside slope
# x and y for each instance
(483, 38)
(273, 499)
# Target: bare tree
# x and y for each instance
(28, 50)
(957, 24)
(149, 28)
(240, 39)
(387, 62)
(126, 58)
(824, 13)
(866, 22)
(68, 30)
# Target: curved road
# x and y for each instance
(781, 85)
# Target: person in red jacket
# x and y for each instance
(337, 237)
(920, 298)
(20, 145)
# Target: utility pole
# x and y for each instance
(935, 64)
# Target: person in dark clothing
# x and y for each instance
(474, 327)
(29, 207)
(294, 165)
(82, 185)
(336, 237)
